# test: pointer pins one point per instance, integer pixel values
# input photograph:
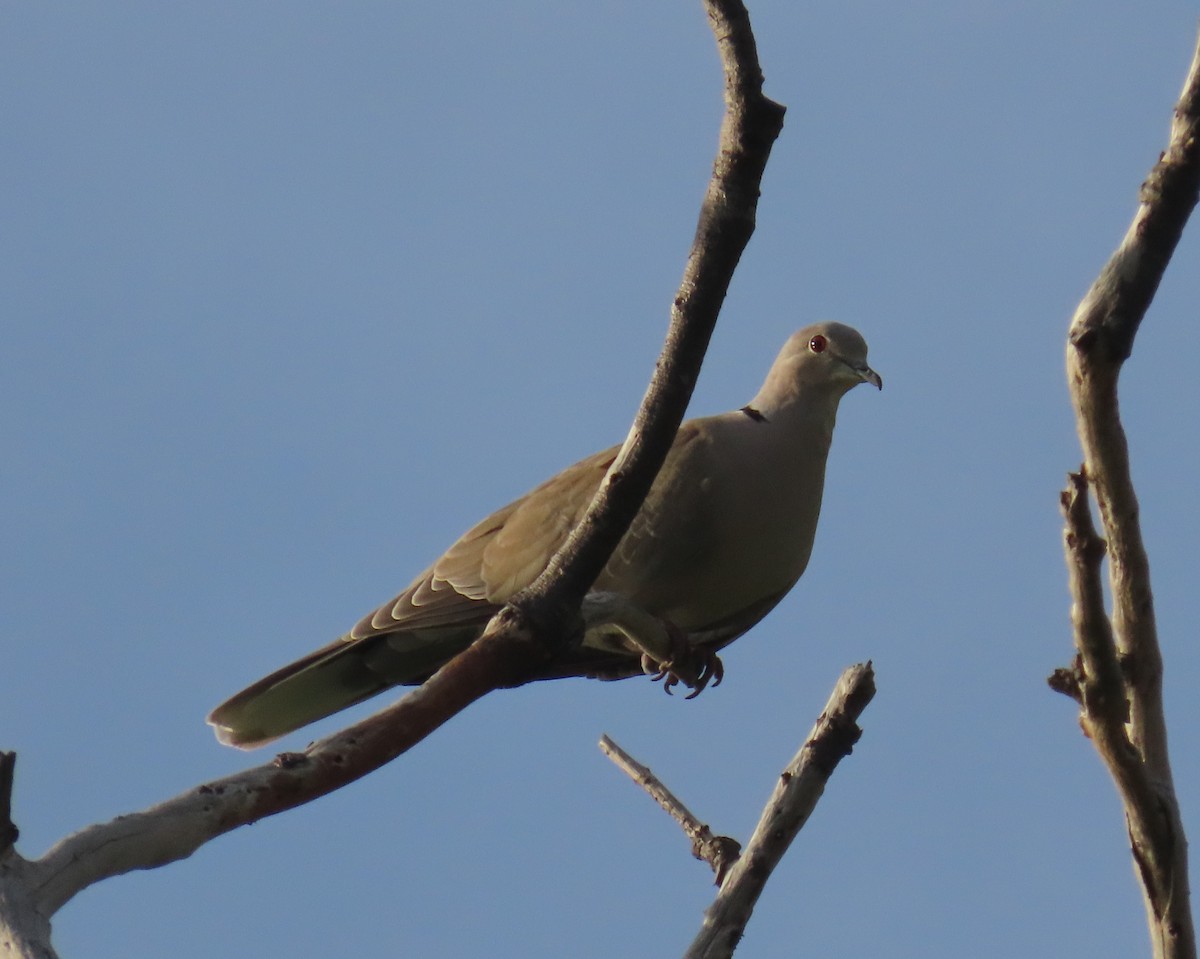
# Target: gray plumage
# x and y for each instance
(725, 532)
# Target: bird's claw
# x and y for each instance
(694, 666)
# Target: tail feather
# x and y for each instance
(324, 682)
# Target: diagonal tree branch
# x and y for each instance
(795, 796)
(749, 129)
(1118, 673)
(720, 852)
(523, 636)
(742, 874)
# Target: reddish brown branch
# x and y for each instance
(174, 829)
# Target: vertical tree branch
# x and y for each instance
(1118, 675)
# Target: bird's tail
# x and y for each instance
(324, 682)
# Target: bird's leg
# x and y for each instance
(694, 666)
(613, 623)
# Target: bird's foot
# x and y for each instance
(694, 666)
(612, 623)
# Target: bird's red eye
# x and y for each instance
(818, 343)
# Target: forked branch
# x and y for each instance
(1117, 675)
(742, 877)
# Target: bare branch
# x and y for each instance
(1108, 318)
(525, 635)
(24, 930)
(720, 852)
(1098, 680)
(1100, 338)
(1098, 675)
(174, 829)
(1119, 672)
(800, 786)
(748, 130)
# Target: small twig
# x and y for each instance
(792, 802)
(720, 852)
(8, 829)
(1065, 680)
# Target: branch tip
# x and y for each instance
(8, 829)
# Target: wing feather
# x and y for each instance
(494, 559)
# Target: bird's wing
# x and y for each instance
(494, 559)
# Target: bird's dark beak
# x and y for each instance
(870, 376)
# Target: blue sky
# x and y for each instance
(294, 293)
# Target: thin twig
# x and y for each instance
(1118, 677)
(792, 802)
(720, 852)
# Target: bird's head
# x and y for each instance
(823, 360)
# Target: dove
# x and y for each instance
(725, 532)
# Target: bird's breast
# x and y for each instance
(722, 530)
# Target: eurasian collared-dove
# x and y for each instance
(726, 531)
